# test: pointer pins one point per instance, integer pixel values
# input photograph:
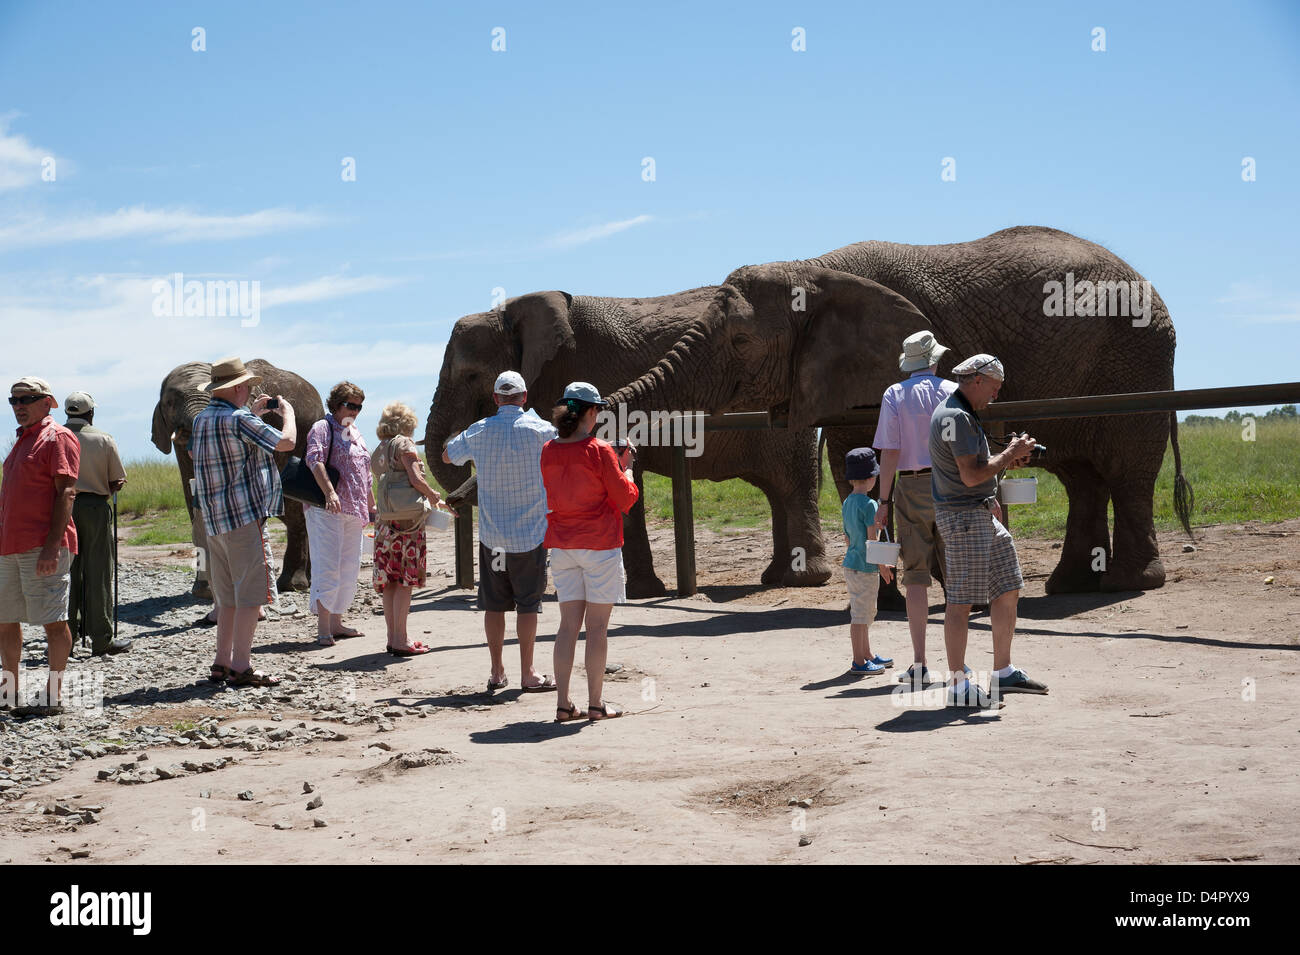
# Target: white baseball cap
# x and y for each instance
(509, 383)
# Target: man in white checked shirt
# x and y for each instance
(507, 450)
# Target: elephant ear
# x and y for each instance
(846, 348)
(538, 326)
(162, 431)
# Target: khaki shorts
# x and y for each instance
(863, 590)
(27, 598)
(918, 538)
(240, 568)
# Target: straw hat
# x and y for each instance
(229, 372)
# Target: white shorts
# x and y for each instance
(27, 598)
(595, 576)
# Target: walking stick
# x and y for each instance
(114, 565)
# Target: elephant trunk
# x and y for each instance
(194, 403)
(441, 425)
(674, 382)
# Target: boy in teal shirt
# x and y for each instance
(861, 578)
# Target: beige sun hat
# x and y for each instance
(228, 372)
(920, 351)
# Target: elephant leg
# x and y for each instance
(1087, 532)
(295, 571)
(638, 563)
(798, 549)
(1135, 563)
(201, 589)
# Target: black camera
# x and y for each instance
(274, 403)
(1038, 455)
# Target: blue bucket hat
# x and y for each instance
(860, 464)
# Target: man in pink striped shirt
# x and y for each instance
(903, 437)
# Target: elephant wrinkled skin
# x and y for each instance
(182, 397)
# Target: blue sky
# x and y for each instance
(521, 169)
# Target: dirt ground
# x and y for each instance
(1169, 735)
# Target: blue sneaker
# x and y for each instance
(882, 661)
(871, 666)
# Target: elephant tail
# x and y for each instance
(821, 444)
(1184, 499)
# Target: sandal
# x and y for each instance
(251, 677)
(324, 640)
(413, 651)
(218, 674)
(347, 633)
(604, 711)
(546, 686)
(567, 716)
(493, 685)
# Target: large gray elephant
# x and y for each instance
(1002, 294)
(553, 338)
(182, 397)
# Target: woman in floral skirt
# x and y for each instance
(399, 546)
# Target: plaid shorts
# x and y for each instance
(979, 556)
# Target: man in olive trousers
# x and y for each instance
(90, 602)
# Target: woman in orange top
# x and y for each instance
(588, 490)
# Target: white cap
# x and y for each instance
(509, 383)
(981, 364)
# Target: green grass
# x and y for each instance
(1233, 480)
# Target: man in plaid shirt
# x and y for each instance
(238, 488)
(507, 451)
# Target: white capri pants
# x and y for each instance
(335, 544)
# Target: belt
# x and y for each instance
(102, 497)
(917, 471)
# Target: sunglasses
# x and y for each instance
(351, 407)
(26, 399)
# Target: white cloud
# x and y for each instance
(98, 333)
(568, 240)
(20, 161)
(166, 225)
(327, 287)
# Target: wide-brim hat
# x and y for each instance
(920, 351)
(229, 372)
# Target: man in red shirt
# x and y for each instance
(37, 538)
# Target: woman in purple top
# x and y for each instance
(334, 532)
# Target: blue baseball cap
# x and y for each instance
(584, 391)
(860, 464)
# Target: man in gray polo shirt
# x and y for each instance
(979, 556)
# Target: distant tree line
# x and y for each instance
(1286, 411)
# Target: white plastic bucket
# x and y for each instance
(1019, 490)
(440, 520)
(882, 551)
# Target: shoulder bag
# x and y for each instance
(299, 482)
